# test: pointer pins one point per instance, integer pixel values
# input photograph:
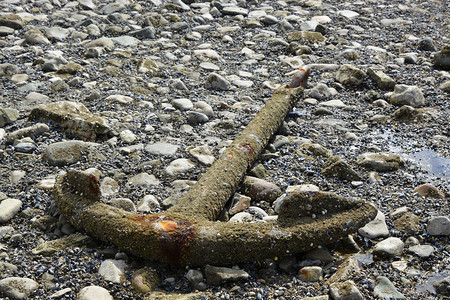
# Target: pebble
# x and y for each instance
(202, 154)
(217, 82)
(260, 190)
(147, 204)
(348, 74)
(429, 190)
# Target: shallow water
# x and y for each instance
(431, 162)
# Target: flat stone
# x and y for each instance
(429, 190)
(382, 162)
(147, 204)
(310, 274)
(390, 247)
(219, 275)
(64, 153)
(179, 166)
(217, 82)
(382, 80)
(18, 287)
(127, 136)
(260, 189)
(202, 154)
(143, 179)
(73, 116)
(336, 166)
(346, 290)
(386, 290)
(234, 10)
(375, 228)
(305, 36)
(183, 104)
(350, 14)
(94, 293)
(51, 247)
(121, 99)
(441, 59)
(113, 270)
(348, 74)
(165, 149)
(35, 36)
(422, 250)
(439, 225)
(12, 21)
(8, 209)
(407, 95)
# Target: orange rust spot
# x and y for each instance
(174, 235)
(247, 149)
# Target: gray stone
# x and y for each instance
(113, 270)
(8, 209)
(121, 99)
(407, 95)
(8, 69)
(336, 166)
(438, 226)
(219, 275)
(320, 91)
(73, 116)
(112, 8)
(195, 118)
(143, 179)
(348, 74)
(390, 247)
(305, 37)
(35, 36)
(12, 21)
(8, 116)
(375, 228)
(202, 154)
(386, 290)
(241, 217)
(346, 290)
(57, 33)
(18, 287)
(382, 80)
(217, 82)
(422, 250)
(234, 10)
(161, 148)
(147, 204)
(443, 286)
(103, 42)
(204, 108)
(6, 231)
(146, 32)
(260, 189)
(60, 293)
(382, 162)
(445, 86)
(123, 203)
(70, 241)
(441, 59)
(65, 153)
(16, 176)
(179, 166)
(310, 274)
(195, 277)
(182, 104)
(127, 136)
(94, 293)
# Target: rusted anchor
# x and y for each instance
(187, 233)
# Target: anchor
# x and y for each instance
(188, 233)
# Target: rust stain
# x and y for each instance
(174, 235)
(247, 149)
(94, 186)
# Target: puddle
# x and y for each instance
(428, 285)
(429, 161)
